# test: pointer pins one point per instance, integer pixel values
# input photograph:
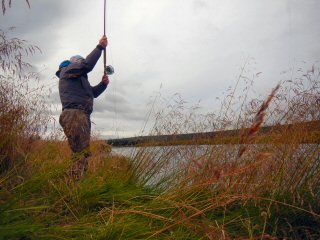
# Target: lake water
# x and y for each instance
(163, 161)
(166, 160)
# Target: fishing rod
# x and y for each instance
(108, 70)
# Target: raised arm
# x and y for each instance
(76, 69)
(91, 60)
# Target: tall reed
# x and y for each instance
(23, 116)
(247, 189)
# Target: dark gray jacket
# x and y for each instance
(74, 88)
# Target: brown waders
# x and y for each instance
(76, 125)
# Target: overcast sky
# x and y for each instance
(192, 47)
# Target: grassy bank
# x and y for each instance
(245, 190)
(266, 195)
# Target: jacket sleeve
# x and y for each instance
(98, 89)
(75, 70)
(91, 60)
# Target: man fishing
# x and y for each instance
(76, 95)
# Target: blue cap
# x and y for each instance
(65, 63)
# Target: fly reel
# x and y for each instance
(109, 70)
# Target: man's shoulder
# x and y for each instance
(74, 70)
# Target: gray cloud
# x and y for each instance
(119, 105)
(40, 26)
(109, 103)
(42, 16)
(199, 5)
(196, 48)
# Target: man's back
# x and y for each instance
(74, 88)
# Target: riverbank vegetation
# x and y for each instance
(242, 191)
(232, 191)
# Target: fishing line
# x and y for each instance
(115, 108)
(109, 70)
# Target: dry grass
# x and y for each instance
(282, 175)
(23, 116)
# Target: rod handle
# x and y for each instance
(104, 60)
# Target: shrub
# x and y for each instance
(22, 115)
